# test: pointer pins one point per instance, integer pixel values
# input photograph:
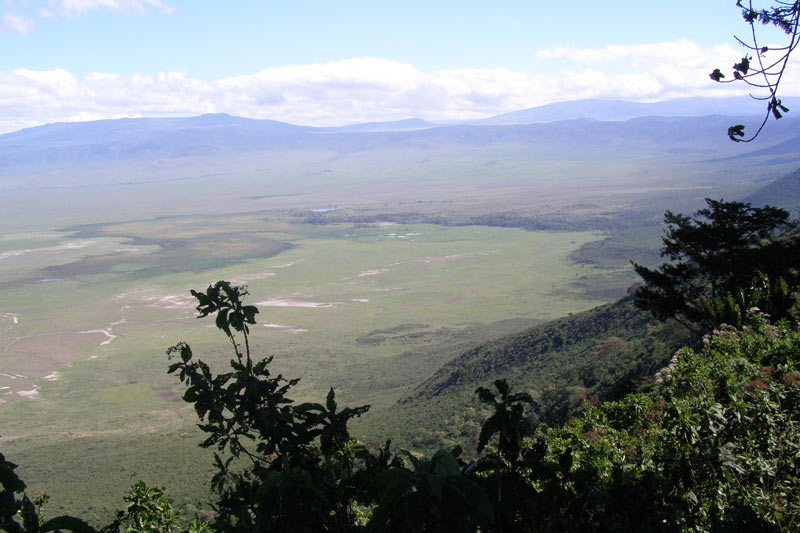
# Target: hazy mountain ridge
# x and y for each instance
(620, 110)
(228, 141)
(396, 125)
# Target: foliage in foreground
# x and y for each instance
(714, 445)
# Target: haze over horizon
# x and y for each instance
(321, 64)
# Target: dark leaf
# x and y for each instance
(330, 402)
(736, 132)
(743, 66)
(502, 386)
(565, 460)
(485, 395)
(29, 519)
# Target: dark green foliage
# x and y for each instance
(300, 459)
(501, 470)
(508, 419)
(726, 259)
(303, 472)
(597, 355)
(434, 496)
(149, 510)
(714, 446)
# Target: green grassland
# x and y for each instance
(369, 309)
(325, 285)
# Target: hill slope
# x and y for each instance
(602, 353)
(784, 192)
(544, 349)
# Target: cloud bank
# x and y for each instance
(370, 89)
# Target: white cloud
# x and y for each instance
(18, 24)
(655, 71)
(76, 8)
(681, 54)
(56, 9)
(45, 13)
(682, 48)
(370, 89)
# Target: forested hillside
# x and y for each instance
(597, 355)
(618, 328)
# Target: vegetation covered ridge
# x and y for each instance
(598, 332)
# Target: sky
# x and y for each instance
(332, 62)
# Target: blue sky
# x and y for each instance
(332, 62)
(213, 39)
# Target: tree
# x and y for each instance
(287, 467)
(728, 258)
(281, 466)
(435, 496)
(760, 68)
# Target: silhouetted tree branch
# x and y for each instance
(760, 68)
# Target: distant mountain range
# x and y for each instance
(397, 125)
(694, 128)
(616, 110)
